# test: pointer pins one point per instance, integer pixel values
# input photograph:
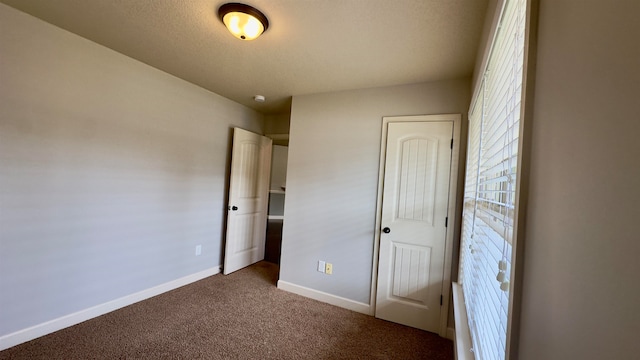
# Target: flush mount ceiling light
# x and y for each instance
(243, 21)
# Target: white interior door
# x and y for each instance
(414, 211)
(248, 200)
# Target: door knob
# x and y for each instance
(234, 208)
(386, 230)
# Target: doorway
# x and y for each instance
(277, 129)
(277, 191)
(267, 237)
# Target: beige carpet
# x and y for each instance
(239, 316)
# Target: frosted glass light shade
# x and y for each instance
(243, 21)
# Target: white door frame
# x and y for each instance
(451, 211)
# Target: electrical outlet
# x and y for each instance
(328, 269)
(198, 250)
(321, 266)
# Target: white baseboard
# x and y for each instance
(325, 297)
(48, 327)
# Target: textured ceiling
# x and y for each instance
(310, 46)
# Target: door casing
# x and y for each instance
(451, 211)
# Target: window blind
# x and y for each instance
(490, 181)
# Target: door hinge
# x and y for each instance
(452, 143)
(440, 300)
(446, 222)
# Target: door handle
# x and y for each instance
(386, 230)
(234, 208)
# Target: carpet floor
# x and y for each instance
(239, 316)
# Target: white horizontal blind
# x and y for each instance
(488, 217)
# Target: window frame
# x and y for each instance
(523, 160)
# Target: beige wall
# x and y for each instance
(581, 267)
(332, 179)
(111, 172)
(277, 123)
